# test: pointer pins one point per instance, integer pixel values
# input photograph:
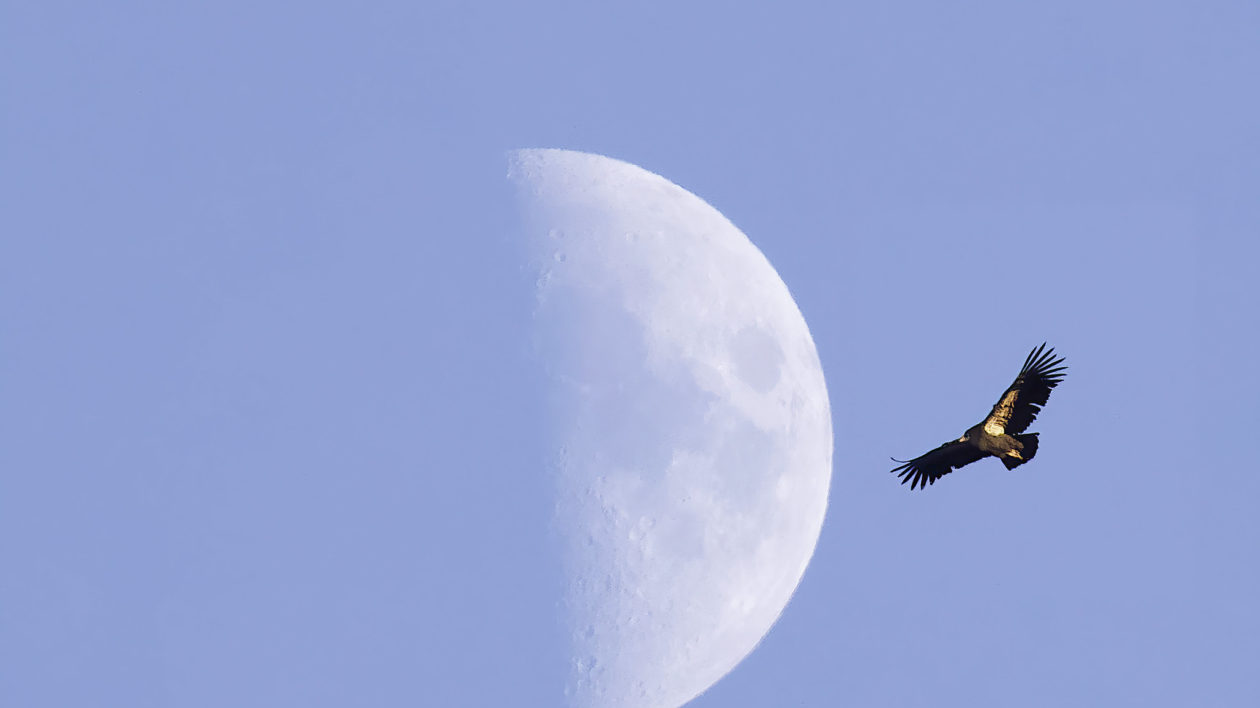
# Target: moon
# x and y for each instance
(690, 421)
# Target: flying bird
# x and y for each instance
(1001, 434)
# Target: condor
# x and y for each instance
(1001, 434)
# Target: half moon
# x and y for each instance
(692, 429)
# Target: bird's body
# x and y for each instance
(1001, 434)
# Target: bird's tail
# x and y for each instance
(1029, 441)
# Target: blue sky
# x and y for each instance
(267, 438)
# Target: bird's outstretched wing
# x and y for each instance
(929, 467)
(1019, 405)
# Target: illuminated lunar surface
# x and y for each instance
(691, 421)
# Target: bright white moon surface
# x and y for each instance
(692, 428)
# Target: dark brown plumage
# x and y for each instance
(1001, 434)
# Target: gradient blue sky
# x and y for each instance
(267, 438)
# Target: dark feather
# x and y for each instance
(1022, 401)
(929, 467)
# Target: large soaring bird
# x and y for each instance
(1001, 434)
